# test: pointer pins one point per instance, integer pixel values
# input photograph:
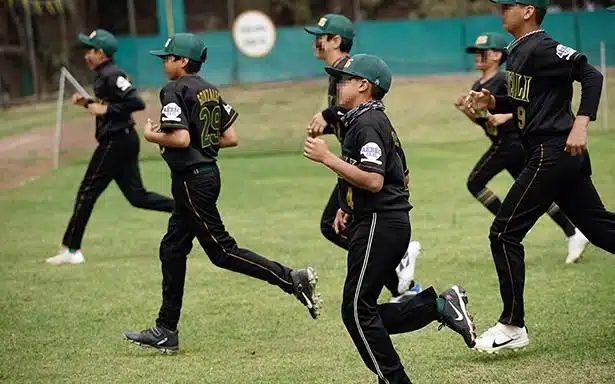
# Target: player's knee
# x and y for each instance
(326, 228)
(474, 187)
(171, 251)
(137, 200)
(348, 313)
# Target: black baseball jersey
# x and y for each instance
(369, 144)
(507, 131)
(539, 76)
(194, 104)
(111, 87)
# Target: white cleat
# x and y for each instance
(576, 246)
(405, 269)
(502, 337)
(66, 257)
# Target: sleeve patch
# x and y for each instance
(371, 152)
(171, 112)
(564, 52)
(122, 83)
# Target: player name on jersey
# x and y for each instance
(518, 86)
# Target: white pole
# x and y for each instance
(58, 142)
(605, 91)
(68, 76)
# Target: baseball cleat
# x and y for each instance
(501, 337)
(304, 285)
(66, 257)
(456, 315)
(576, 246)
(405, 269)
(164, 340)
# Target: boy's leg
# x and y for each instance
(130, 183)
(174, 249)
(376, 247)
(487, 167)
(529, 197)
(582, 203)
(327, 219)
(199, 200)
(97, 177)
(576, 240)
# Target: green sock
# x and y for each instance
(440, 302)
(72, 250)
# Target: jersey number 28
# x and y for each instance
(210, 125)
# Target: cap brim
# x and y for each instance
(85, 40)
(475, 49)
(504, 2)
(314, 30)
(159, 53)
(335, 72)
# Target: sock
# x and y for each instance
(72, 250)
(562, 220)
(440, 303)
(489, 200)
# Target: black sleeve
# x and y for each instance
(228, 116)
(371, 149)
(333, 117)
(126, 96)
(552, 59)
(591, 88)
(173, 114)
(400, 152)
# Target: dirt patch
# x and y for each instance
(28, 156)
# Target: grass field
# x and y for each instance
(64, 324)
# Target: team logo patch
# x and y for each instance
(371, 152)
(171, 112)
(564, 52)
(322, 21)
(482, 39)
(122, 83)
(92, 34)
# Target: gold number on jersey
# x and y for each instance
(521, 116)
(491, 130)
(349, 200)
(210, 125)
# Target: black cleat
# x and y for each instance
(304, 284)
(456, 315)
(155, 337)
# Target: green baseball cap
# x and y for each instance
(542, 4)
(99, 39)
(183, 45)
(368, 67)
(488, 40)
(332, 24)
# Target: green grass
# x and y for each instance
(64, 324)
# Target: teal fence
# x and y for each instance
(410, 47)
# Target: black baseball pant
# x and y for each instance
(550, 175)
(378, 242)
(196, 215)
(341, 240)
(510, 156)
(115, 158)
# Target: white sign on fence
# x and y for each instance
(254, 33)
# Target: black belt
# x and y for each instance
(200, 169)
